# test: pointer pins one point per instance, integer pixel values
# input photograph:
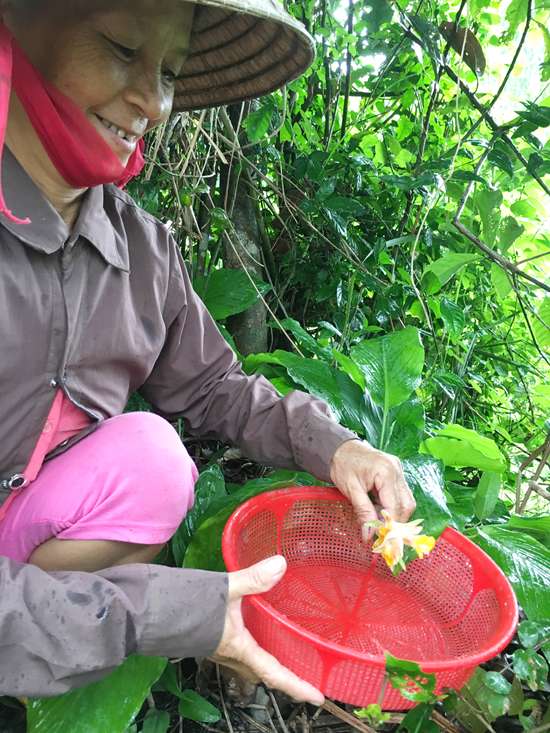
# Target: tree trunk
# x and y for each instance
(249, 329)
(242, 250)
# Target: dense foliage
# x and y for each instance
(376, 235)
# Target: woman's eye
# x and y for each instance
(128, 53)
(169, 76)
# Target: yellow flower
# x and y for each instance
(393, 536)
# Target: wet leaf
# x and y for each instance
(461, 447)
(195, 707)
(497, 682)
(524, 561)
(392, 365)
(531, 667)
(108, 705)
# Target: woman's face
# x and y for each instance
(117, 60)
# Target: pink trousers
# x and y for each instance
(131, 480)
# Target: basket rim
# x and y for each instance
(505, 593)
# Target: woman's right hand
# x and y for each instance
(240, 651)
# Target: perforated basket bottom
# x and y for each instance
(370, 615)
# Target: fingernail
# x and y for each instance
(275, 565)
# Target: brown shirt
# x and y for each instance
(101, 312)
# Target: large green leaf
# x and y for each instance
(445, 268)
(205, 549)
(227, 292)
(524, 561)
(109, 705)
(488, 203)
(461, 447)
(403, 427)
(392, 365)
(314, 375)
(536, 527)
(453, 317)
(487, 495)
(209, 486)
(424, 475)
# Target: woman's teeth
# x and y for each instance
(118, 131)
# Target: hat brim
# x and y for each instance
(241, 50)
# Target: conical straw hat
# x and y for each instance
(241, 49)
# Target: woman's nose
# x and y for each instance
(150, 95)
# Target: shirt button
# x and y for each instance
(53, 382)
(47, 427)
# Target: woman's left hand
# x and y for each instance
(357, 469)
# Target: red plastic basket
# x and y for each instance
(339, 607)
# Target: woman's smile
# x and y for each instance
(121, 139)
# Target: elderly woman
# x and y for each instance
(96, 303)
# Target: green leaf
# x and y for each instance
(453, 317)
(257, 124)
(461, 447)
(533, 633)
(228, 292)
(524, 561)
(409, 679)
(406, 428)
(392, 365)
(429, 35)
(535, 113)
(380, 13)
(502, 161)
(210, 485)
(418, 720)
(500, 280)
(516, 697)
(317, 377)
(408, 183)
(510, 230)
(497, 682)
(347, 208)
(306, 340)
(531, 667)
(195, 707)
(487, 495)
(108, 705)
(542, 333)
(488, 203)
(516, 13)
(350, 367)
(205, 550)
(156, 722)
(424, 476)
(447, 267)
(523, 208)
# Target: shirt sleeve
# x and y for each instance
(198, 379)
(62, 630)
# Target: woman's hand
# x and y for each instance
(357, 468)
(239, 650)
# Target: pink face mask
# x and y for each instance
(81, 156)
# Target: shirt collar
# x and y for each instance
(47, 231)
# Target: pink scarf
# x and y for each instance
(78, 151)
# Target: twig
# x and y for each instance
(249, 719)
(277, 711)
(478, 715)
(226, 714)
(346, 717)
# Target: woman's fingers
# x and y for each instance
(240, 650)
(358, 468)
